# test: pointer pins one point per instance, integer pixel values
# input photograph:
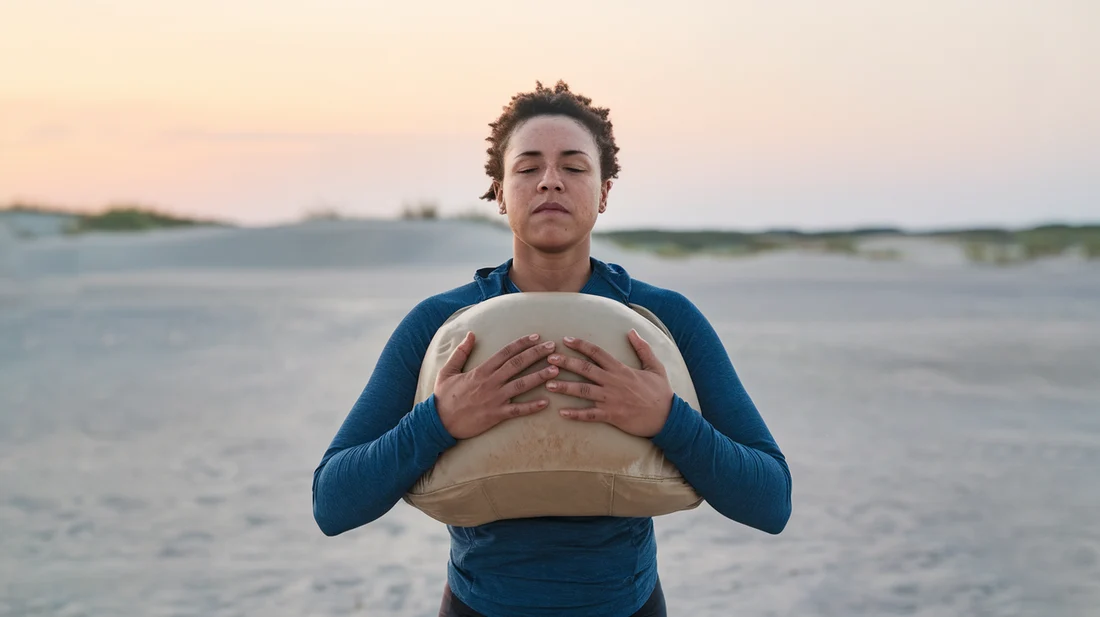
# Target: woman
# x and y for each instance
(552, 159)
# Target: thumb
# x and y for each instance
(458, 358)
(645, 352)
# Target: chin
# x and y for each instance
(552, 242)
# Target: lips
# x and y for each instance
(551, 206)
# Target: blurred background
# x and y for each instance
(213, 216)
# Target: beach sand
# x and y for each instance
(165, 398)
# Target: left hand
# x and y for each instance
(636, 401)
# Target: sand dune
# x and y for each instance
(321, 244)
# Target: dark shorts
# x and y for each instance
(453, 607)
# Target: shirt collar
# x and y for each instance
(607, 279)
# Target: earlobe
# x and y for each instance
(603, 195)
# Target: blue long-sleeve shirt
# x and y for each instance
(584, 566)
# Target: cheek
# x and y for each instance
(592, 188)
(517, 185)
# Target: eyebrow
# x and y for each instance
(563, 153)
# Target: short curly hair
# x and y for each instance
(558, 101)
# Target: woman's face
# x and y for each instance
(552, 190)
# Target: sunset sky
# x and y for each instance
(735, 115)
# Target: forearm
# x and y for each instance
(745, 484)
(356, 485)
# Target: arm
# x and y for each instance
(382, 448)
(727, 452)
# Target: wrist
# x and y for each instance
(676, 429)
(442, 436)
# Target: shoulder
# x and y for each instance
(687, 324)
(431, 312)
(413, 335)
(667, 304)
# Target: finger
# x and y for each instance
(603, 359)
(458, 358)
(580, 366)
(519, 362)
(498, 359)
(592, 414)
(514, 410)
(650, 362)
(529, 382)
(588, 391)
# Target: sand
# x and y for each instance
(164, 399)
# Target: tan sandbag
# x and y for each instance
(543, 464)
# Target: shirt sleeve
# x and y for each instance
(724, 450)
(386, 442)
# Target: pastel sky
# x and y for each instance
(730, 114)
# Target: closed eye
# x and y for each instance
(576, 170)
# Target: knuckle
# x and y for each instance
(518, 385)
(587, 367)
(516, 362)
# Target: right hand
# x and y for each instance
(473, 402)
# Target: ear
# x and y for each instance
(604, 190)
(498, 193)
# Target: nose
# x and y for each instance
(551, 180)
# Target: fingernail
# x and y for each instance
(555, 358)
(569, 339)
(534, 337)
(566, 413)
(548, 344)
(552, 385)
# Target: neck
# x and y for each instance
(534, 270)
